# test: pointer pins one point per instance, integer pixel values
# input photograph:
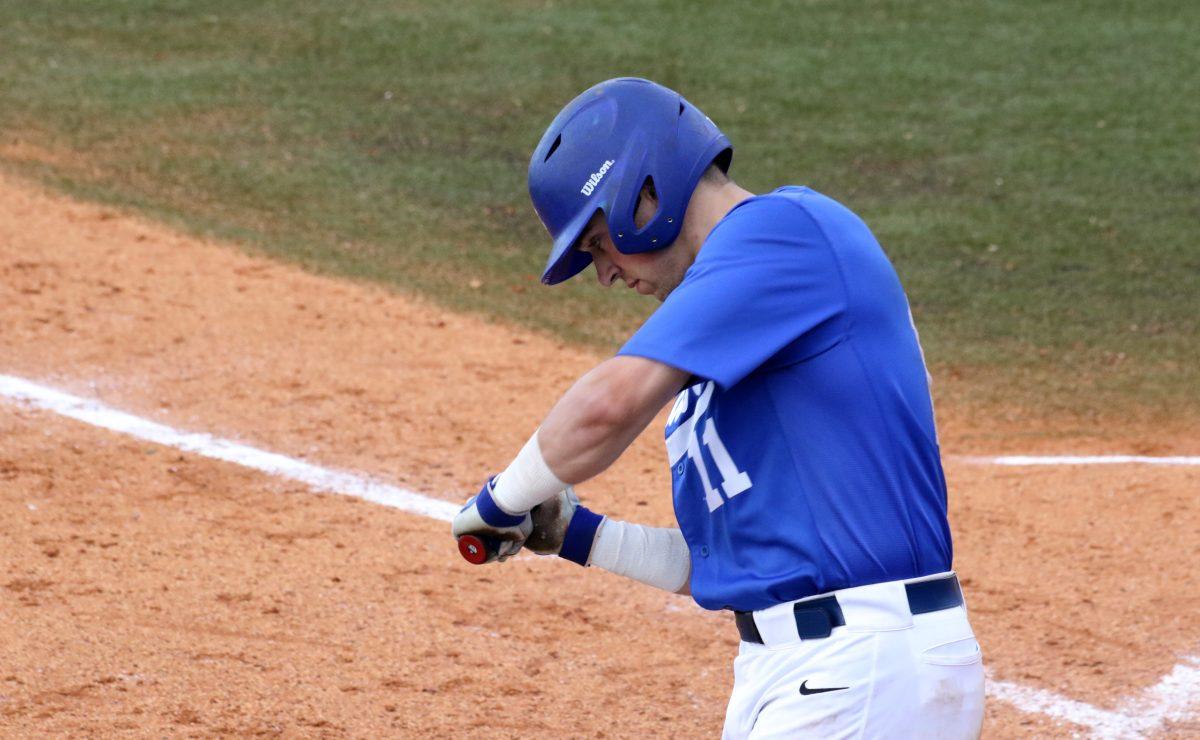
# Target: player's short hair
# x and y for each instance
(715, 175)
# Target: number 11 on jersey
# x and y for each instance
(733, 481)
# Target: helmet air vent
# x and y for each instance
(553, 148)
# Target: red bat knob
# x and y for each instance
(477, 550)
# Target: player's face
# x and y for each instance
(654, 273)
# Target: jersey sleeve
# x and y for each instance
(766, 287)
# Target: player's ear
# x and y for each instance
(647, 204)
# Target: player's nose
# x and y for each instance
(606, 272)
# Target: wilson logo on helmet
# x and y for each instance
(596, 177)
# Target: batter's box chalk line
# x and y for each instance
(1170, 700)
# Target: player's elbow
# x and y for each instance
(630, 390)
(602, 411)
(602, 414)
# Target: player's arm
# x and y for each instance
(600, 416)
(587, 429)
(656, 556)
(584, 433)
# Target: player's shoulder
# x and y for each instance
(789, 210)
(782, 219)
(779, 201)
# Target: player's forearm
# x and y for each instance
(655, 556)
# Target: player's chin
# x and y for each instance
(666, 290)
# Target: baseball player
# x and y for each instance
(805, 466)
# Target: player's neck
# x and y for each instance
(709, 204)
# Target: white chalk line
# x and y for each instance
(1169, 700)
(1024, 460)
(316, 477)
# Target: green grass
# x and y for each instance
(1033, 168)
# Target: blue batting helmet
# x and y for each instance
(598, 154)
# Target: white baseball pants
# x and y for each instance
(885, 674)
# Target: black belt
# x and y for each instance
(816, 618)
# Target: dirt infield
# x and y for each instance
(151, 592)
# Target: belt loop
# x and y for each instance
(777, 624)
(934, 595)
(816, 619)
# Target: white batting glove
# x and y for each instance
(482, 518)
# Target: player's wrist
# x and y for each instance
(580, 536)
(527, 481)
(490, 512)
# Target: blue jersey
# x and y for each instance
(804, 456)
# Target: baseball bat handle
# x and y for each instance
(478, 549)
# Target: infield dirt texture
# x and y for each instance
(303, 227)
(153, 592)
